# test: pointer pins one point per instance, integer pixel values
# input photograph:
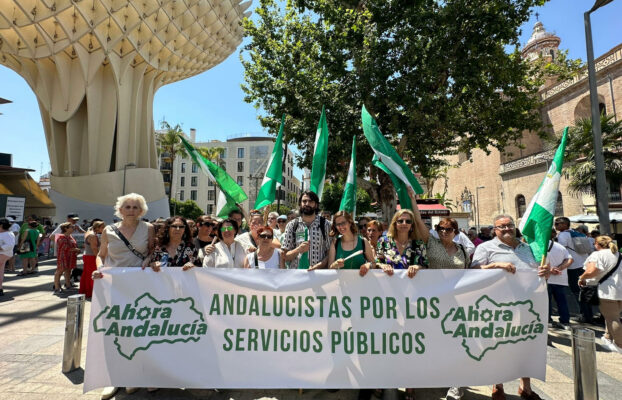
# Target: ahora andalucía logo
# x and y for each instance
(487, 324)
(149, 321)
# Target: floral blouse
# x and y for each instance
(186, 253)
(414, 253)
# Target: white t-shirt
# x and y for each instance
(565, 239)
(557, 255)
(7, 242)
(273, 262)
(14, 229)
(605, 260)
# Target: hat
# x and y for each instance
(10, 219)
(281, 217)
(73, 216)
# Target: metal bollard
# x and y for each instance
(584, 364)
(73, 332)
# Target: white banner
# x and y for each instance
(237, 328)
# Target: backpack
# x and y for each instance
(581, 244)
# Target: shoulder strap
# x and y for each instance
(294, 229)
(127, 242)
(256, 259)
(466, 258)
(550, 246)
(322, 227)
(608, 274)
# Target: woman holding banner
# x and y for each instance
(349, 250)
(175, 246)
(128, 243)
(266, 255)
(227, 253)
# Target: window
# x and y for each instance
(210, 183)
(559, 205)
(259, 152)
(211, 194)
(183, 181)
(193, 181)
(240, 152)
(193, 195)
(210, 208)
(195, 168)
(240, 180)
(240, 166)
(183, 167)
(520, 205)
(181, 196)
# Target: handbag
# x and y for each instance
(26, 247)
(589, 294)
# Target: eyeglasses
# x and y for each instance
(208, 224)
(343, 223)
(177, 227)
(281, 221)
(267, 237)
(271, 218)
(404, 221)
(226, 228)
(505, 227)
(444, 229)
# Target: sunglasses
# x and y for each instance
(265, 236)
(208, 224)
(226, 228)
(505, 227)
(177, 227)
(404, 221)
(444, 229)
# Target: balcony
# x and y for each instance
(166, 167)
(615, 196)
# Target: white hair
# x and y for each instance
(121, 200)
(273, 214)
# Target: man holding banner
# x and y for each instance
(306, 241)
(506, 252)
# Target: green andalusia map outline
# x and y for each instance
(468, 350)
(158, 302)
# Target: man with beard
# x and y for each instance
(306, 241)
(506, 252)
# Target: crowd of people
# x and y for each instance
(313, 239)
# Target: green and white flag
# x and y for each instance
(230, 192)
(537, 221)
(274, 172)
(320, 155)
(387, 159)
(348, 201)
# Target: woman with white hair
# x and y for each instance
(127, 243)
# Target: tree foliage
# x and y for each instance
(331, 199)
(169, 142)
(435, 74)
(579, 167)
(186, 209)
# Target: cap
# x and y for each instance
(281, 217)
(10, 219)
(73, 216)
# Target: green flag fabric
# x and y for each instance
(537, 221)
(348, 201)
(320, 155)
(274, 172)
(230, 192)
(387, 159)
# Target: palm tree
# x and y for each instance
(580, 154)
(213, 154)
(170, 144)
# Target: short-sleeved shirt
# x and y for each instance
(496, 251)
(440, 259)
(556, 256)
(319, 243)
(605, 260)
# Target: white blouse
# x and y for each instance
(225, 256)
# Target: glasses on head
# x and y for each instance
(208, 224)
(262, 236)
(440, 229)
(342, 223)
(404, 221)
(177, 227)
(226, 228)
(505, 227)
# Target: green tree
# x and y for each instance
(436, 75)
(186, 209)
(169, 142)
(580, 167)
(331, 199)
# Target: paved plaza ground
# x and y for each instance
(32, 325)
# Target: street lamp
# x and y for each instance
(602, 202)
(124, 172)
(477, 204)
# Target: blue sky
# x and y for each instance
(212, 102)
